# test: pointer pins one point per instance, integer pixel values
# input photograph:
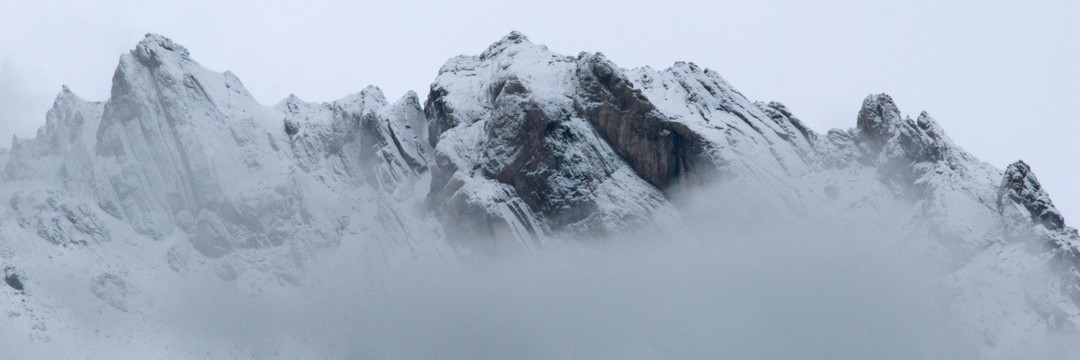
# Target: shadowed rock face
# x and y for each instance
(548, 160)
(662, 152)
(540, 154)
(12, 279)
(442, 117)
(560, 144)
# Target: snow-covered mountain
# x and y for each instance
(181, 174)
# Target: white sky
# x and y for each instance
(1002, 78)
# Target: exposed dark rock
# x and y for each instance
(1021, 196)
(540, 156)
(440, 115)
(291, 127)
(662, 152)
(900, 148)
(878, 119)
(553, 155)
(782, 116)
(12, 279)
(896, 139)
(1019, 185)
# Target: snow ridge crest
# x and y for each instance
(152, 41)
(514, 38)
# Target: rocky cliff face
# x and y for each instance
(528, 145)
(516, 148)
(1027, 212)
(185, 155)
(1020, 187)
(588, 147)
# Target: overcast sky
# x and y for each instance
(1002, 78)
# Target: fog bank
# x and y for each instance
(805, 290)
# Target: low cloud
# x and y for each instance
(803, 290)
(739, 281)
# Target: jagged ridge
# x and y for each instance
(517, 147)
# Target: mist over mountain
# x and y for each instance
(532, 205)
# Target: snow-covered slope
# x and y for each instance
(184, 156)
(182, 177)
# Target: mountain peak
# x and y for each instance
(372, 90)
(878, 118)
(514, 38)
(65, 95)
(155, 49)
(1020, 185)
(515, 35)
(929, 125)
(156, 41)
